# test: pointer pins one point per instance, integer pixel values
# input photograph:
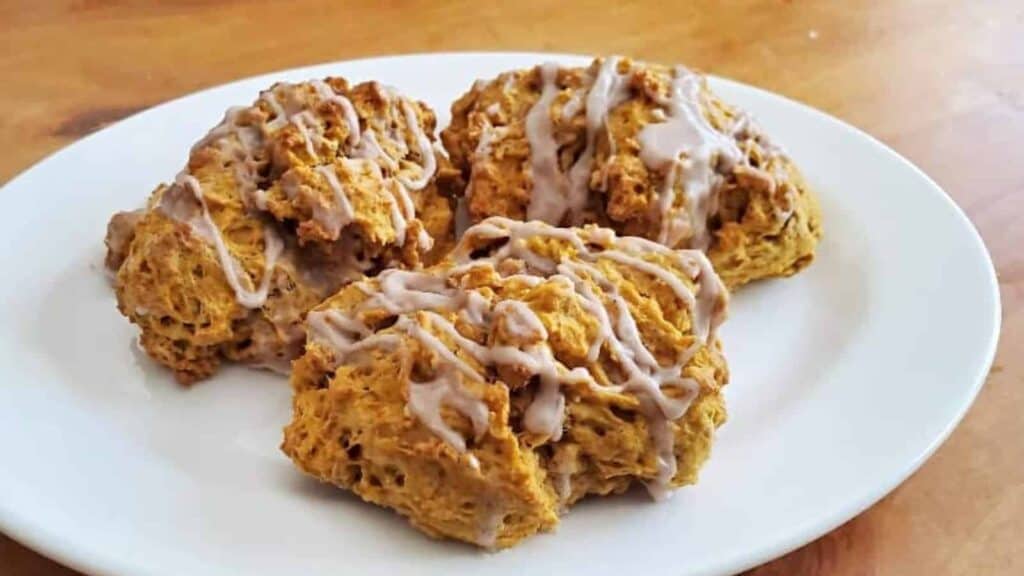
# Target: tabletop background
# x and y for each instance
(941, 81)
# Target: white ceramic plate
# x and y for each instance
(844, 379)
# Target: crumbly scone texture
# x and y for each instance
(494, 482)
(301, 201)
(762, 219)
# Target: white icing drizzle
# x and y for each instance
(370, 148)
(425, 399)
(608, 90)
(683, 146)
(328, 94)
(645, 377)
(520, 320)
(546, 412)
(402, 207)
(573, 105)
(305, 120)
(671, 280)
(401, 196)
(301, 121)
(228, 125)
(241, 148)
(556, 195)
(233, 271)
(476, 309)
(280, 116)
(399, 220)
(480, 153)
(686, 132)
(548, 197)
(345, 336)
(664, 442)
(404, 291)
(309, 128)
(750, 137)
(342, 334)
(249, 137)
(426, 151)
(404, 210)
(394, 102)
(420, 298)
(342, 213)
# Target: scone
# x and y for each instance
(536, 365)
(645, 149)
(280, 205)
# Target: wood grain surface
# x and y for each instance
(941, 81)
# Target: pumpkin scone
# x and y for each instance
(280, 205)
(645, 149)
(483, 396)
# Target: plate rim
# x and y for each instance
(36, 536)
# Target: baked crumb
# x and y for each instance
(645, 149)
(485, 395)
(280, 205)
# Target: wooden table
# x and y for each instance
(940, 81)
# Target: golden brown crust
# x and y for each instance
(752, 243)
(354, 426)
(767, 223)
(257, 181)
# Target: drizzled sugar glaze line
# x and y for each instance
(686, 146)
(425, 150)
(342, 214)
(608, 90)
(556, 196)
(548, 197)
(422, 300)
(363, 144)
(234, 273)
(692, 157)
(683, 146)
(488, 136)
(241, 140)
(328, 94)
